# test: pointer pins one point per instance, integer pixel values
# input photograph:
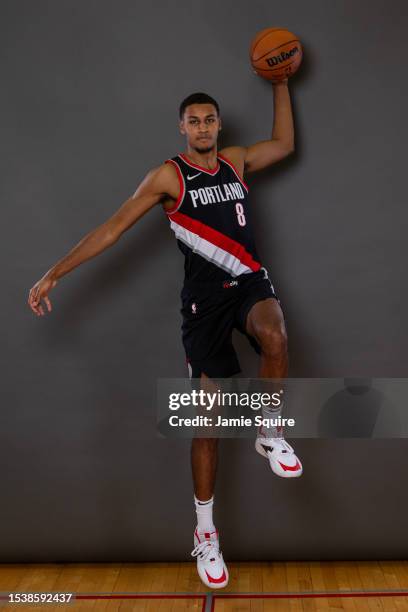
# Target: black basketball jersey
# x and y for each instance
(211, 221)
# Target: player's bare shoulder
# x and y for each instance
(236, 156)
(161, 180)
(164, 182)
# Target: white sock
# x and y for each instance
(204, 510)
(271, 414)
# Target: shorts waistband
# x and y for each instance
(211, 285)
(227, 283)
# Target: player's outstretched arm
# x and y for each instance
(282, 142)
(159, 183)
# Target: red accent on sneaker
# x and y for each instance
(216, 580)
(207, 535)
(289, 468)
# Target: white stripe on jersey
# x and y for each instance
(209, 251)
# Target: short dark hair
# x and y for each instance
(197, 98)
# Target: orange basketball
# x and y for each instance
(275, 54)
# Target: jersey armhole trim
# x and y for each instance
(182, 188)
(231, 165)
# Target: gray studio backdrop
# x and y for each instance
(90, 91)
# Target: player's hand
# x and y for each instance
(280, 82)
(40, 292)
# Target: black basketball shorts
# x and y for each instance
(210, 313)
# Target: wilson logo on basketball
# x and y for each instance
(282, 57)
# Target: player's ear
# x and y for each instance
(220, 124)
(181, 126)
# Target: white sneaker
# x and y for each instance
(281, 455)
(210, 564)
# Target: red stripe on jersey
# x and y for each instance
(217, 238)
(182, 187)
(208, 170)
(227, 161)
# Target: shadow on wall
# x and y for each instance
(359, 411)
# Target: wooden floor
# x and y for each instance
(178, 578)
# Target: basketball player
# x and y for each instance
(205, 198)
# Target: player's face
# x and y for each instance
(201, 125)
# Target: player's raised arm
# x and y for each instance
(158, 184)
(282, 142)
(275, 54)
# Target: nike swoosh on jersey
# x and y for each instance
(194, 176)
